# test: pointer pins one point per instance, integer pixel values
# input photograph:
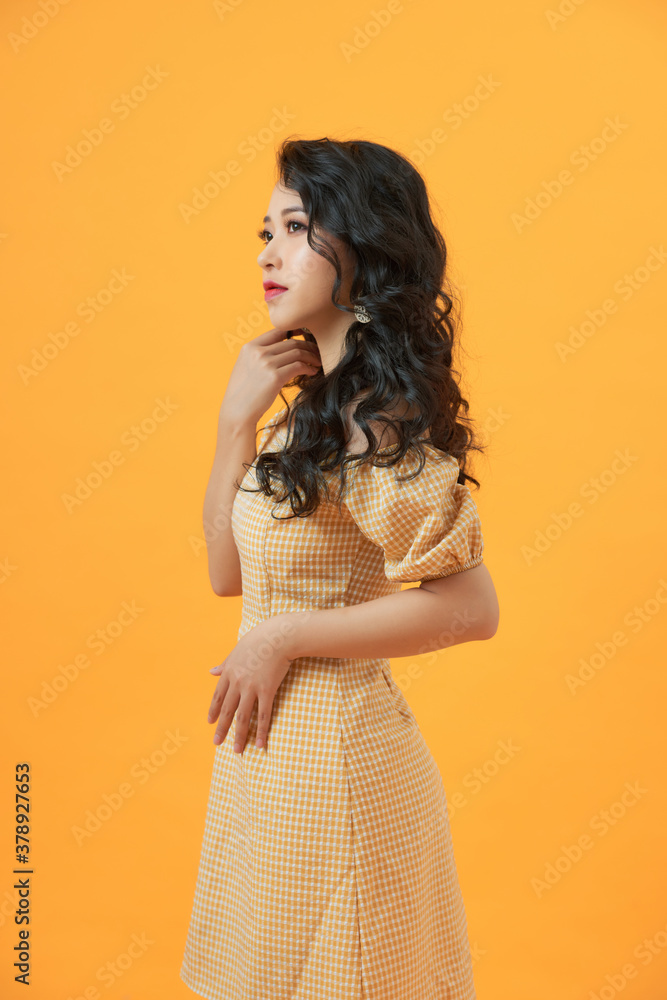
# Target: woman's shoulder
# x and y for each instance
(386, 435)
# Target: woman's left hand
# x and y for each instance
(251, 673)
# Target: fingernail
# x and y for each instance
(237, 748)
(259, 743)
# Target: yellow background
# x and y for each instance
(553, 428)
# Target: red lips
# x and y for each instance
(273, 284)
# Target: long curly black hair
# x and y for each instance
(375, 201)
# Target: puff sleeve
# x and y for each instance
(428, 527)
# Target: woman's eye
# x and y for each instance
(265, 235)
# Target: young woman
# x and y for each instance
(327, 870)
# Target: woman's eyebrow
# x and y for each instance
(285, 211)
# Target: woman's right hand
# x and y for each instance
(264, 365)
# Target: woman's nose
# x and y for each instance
(268, 255)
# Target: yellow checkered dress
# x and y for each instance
(327, 870)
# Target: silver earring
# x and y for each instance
(362, 314)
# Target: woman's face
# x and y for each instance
(307, 277)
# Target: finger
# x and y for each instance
(216, 701)
(270, 336)
(306, 346)
(264, 711)
(303, 352)
(301, 356)
(243, 713)
(216, 670)
(227, 710)
(310, 346)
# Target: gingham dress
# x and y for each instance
(327, 870)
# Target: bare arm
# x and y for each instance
(264, 365)
(462, 607)
(235, 445)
